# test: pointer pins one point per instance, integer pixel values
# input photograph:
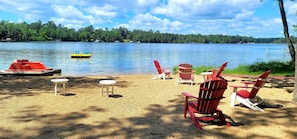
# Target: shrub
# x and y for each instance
(275, 66)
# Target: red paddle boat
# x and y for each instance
(26, 67)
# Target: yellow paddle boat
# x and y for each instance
(81, 55)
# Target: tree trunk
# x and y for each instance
(286, 30)
(290, 45)
(295, 84)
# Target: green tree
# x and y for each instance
(115, 35)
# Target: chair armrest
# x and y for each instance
(188, 95)
(237, 86)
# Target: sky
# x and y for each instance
(250, 18)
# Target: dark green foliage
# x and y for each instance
(275, 66)
(203, 69)
(175, 70)
(38, 31)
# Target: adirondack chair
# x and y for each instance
(185, 74)
(250, 98)
(205, 104)
(216, 76)
(162, 72)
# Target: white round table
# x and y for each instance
(106, 84)
(206, 75)
(56, 81)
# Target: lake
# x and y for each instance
(136, 58)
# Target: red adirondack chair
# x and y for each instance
(248, 98)
(210, 94)
(216, 76)
(185, 74)
(162, 72)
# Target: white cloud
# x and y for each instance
(26, 10)
(71, 13)
(65, 20)
(144, 3)
(67, 11)
(229, 17)
(105, 11)
(244, 15)
(147, 22)
(291, 8)
(291, 15)
(201, 9)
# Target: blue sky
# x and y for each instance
(229, 17)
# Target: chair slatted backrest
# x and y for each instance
(210, 94)
(185, 71)
(259, 83)
(158, 67)
(221, 69)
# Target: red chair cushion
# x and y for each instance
(243, 93)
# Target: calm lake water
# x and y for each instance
(136, 58)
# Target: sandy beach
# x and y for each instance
(141, 108)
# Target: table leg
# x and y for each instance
(55, 89)
(102, 89)
(204, 78)
(64, 86)
(208, 77)
(107, 90)
(112, 89)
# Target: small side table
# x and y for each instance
(56, 81)
(206, 75)
(106, 84)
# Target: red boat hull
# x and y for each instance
(26, 67)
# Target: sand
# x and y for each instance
(141, 108)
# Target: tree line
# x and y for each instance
(38, 31)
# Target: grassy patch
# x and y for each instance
(197, 70)
(277, 68)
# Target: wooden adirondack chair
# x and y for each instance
(248, 98)
(185, 74)
(210, 94)
(162, 72)
(216, 76)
